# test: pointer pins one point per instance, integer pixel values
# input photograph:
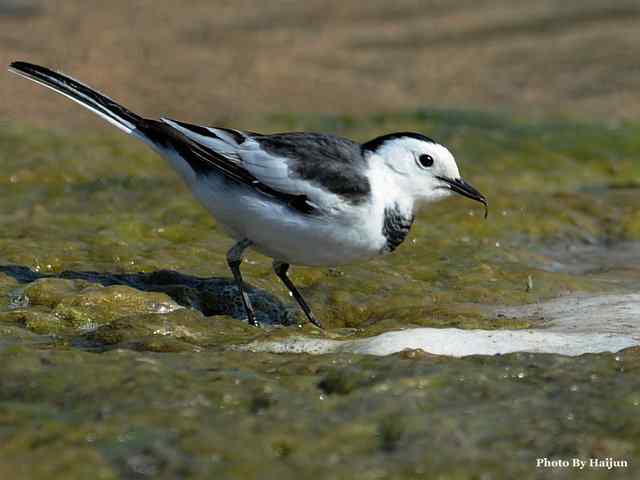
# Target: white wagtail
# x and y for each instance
(300, 198)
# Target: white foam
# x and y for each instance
(456, 343)
(574, 326)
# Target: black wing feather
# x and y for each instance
(205, 161)
(333, 163)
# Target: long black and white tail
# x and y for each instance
(186, 154)
(89, 98)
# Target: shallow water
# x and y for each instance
(118, 334)
(455, 342)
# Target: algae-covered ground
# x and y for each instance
(118, 318)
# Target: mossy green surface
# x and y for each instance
(113, 365)
(128, 414)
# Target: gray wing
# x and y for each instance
(324, 168)
(331, 163)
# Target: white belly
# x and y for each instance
(349, 235)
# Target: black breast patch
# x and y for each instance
(395, 227)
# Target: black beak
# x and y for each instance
(466, 190)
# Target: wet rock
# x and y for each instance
(98, 305)
(183, 325)
(7, 290)
(212, 296)
(180, 330)
(44, 323)
(49, 292)
(37, 321)
(58, 305)
(222, 298)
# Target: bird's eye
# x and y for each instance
(425, 160)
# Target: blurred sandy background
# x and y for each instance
(231, 61)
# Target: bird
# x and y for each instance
(300, 198)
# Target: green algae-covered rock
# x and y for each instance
(118, 299)
(38, 321)
(63, 305)
(44, 322)
(49, 292)
(98, 305)
(182, 329)
(103, 376)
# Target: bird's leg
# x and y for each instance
(281, 269)
(234, 259)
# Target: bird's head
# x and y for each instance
(422, 168)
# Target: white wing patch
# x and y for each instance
(218, 140)
(269, 169)
(274, 170)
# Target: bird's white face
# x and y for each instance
(424, 169)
